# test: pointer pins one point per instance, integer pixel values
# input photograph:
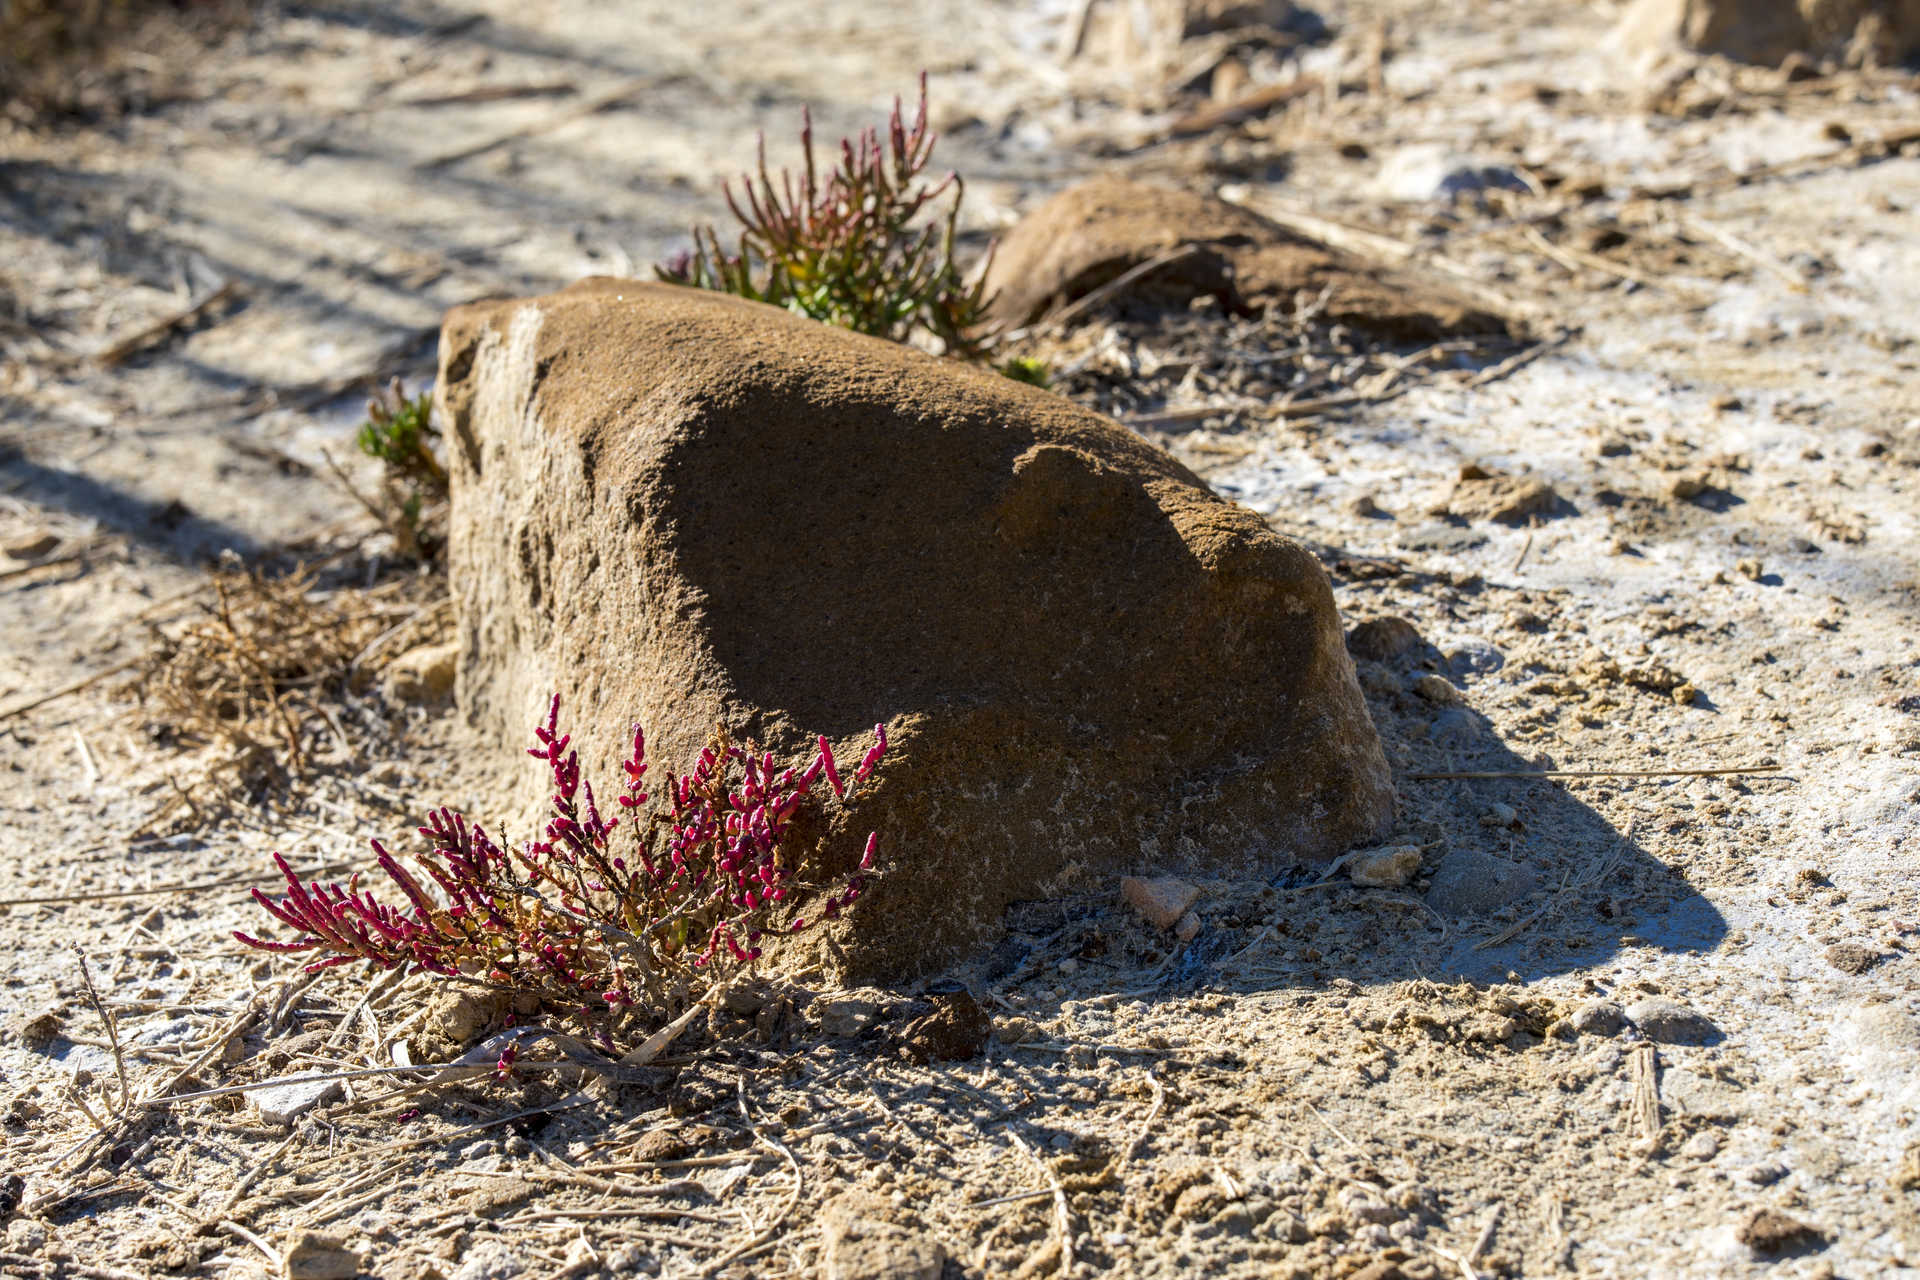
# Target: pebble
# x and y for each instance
(1701, 1146)
(489, 1260)
(1469, 881)
(1599, 1018)
(285, 1103)
(1766, 1173)
(1382, 639)
(314, 1255)
(32, 547)
(1437, 689)
(1499, 815)
(1666, 1021)
(1385, 868)
(1161, 902)
(1189, 927)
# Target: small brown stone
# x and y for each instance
(1768, 1232)
(956, 1030)
(1384, 868)
(1382, 639)
(867, 1238)
(313, 1255)
(1851, 957)
(1162, 901)
(1501, 499)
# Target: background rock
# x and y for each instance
(1770, 31)
(1095, 232)
(1468, 882)
(687, 510)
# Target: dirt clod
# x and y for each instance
(1160, 901)
(1769, 1233)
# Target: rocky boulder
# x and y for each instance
(1771, 31)
(684, 509)
(1096, 232)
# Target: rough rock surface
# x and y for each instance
(1470, 881)
(688, 510)
(867, 1238)
(1091, 234)
(1770, 31)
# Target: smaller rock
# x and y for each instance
(1685, 695)
(1701, 1146)
(424, 674)
(1766, 1173)
(1383, 639)
(1161, 901)
(1445, 538)
(1367, 508)
(1189, 927)
(867, 1238)
(36, 1029)
(1750, 569)
(1437, 689)
(1382, 1269)
(1599, 1018)
(490, 1259)
(1769, 1233)
(1687, 488)
(285, 1103)
(1468, 882)
(1499, 815)
(1851, 957)
(662, 1144)
(1385, 868)
(32, 547)
(1666, 1021)
(851, 1013)
(956, 1030)
(1908, 1176)
(1502, 499)
(313, 1255)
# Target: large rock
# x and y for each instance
(680, 508)
(1770, 31)
(1093, 233)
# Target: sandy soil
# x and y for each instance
(1330, 1080)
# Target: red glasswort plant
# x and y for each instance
(843, 248)
(588, 927)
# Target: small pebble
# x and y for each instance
(1669, 1022)
(1599, 1018)
(1499, 815)
(1436, 689)
(1384, 868)
(1701, 1146)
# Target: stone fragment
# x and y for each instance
(1665, 1021)
(285, 1103)
(1599, 1018)
(314, 1255)
(1851, 957)
(489, 1258)
(424, 674)
(1701, 1146)
(1502, 499)
(1771, 31)
(1470, 882)
(850, 1013)
(32, 547)
(1384, 868)
(1770, 1233)
(1437, 689)
(1160, 901)
(1499, 815)
(683, 509)
(1088, 235)
(864, 1237)
(956, 1030)
(1383, 639)
(1189, 927)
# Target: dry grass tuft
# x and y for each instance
(278, 669)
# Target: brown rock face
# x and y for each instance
(1770, 31)
(682, 509)
(1093, 233)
